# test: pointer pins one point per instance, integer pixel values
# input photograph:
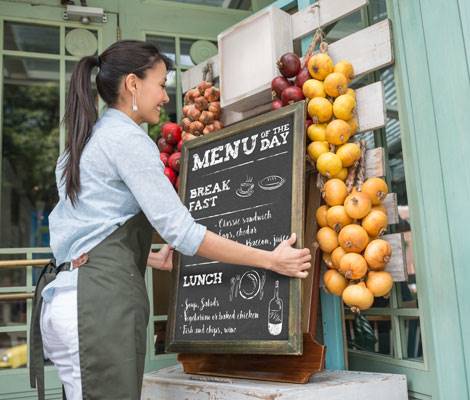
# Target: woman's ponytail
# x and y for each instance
(80, 116)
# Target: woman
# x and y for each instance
(112, 191)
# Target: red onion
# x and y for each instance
(301, 77)
(276, 104)
(289, 65)
(291, 95)
(278, 84)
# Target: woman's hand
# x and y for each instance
(289, 261)
(162, 260)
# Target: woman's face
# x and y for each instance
(151, 94)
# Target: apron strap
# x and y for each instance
(36, 354)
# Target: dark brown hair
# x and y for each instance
(120, 59)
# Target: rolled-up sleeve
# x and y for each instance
(137, 160)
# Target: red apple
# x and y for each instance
(180, 145)
(174, 161)
(164, 146)
(164, 157)
(171, 132)
(170, 174)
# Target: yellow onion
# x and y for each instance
(327, 260)
(320, 65)
(380, 207)
(357, 205)
(335, 84)
(334, 192)
(349, 153)
(343, 107)
(320, 110)
(313, 88)
(337, 218)
(358, 297)
(354, 124)
(317, 132)
(338, 132)
(353, 266)
(353, 238)
(329, 164)
(376, 189)
(351, 92)
(315, 149)
(320, 216)
(346, 68)
(375, 223)
(343, 174)
(327, 239)
(334, 282)
(379, 283)
(377, 254)
(336, 256)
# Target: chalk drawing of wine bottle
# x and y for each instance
(275, 312)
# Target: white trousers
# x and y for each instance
(59, 329)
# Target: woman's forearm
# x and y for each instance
(284, 259)
(228, 251)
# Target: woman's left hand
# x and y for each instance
(162, 260)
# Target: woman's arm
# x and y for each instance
(284, 259)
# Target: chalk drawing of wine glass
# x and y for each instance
(247, 188)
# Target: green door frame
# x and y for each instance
(14, 383)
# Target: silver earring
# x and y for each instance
(134, 103)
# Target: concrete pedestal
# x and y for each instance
(173, 384)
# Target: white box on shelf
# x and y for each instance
(248, 52)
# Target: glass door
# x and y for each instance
(36, 60)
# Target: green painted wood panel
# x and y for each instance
(432, 82)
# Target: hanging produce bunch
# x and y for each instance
(352, 219)
(201, 111)
(170, 144)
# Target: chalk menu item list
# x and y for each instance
(240, 185)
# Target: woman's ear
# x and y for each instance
(130, 83)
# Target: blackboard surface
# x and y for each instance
(244, 183)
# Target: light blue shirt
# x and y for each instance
(120, 175)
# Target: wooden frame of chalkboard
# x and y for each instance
(257, 198)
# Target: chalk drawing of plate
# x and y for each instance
(249, 284)
(271, 182)
(242, 193)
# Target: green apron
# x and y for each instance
(113, 313)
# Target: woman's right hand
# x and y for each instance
(289, 261)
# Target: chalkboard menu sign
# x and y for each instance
(245, 183)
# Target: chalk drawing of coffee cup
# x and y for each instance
(246, 188)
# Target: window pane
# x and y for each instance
(411, 336)
(162, 284)
(345, 26)
(12, 312)
(166, 45)
(28, 37)
(12, 276)
(159, 337)
(171, 107)
(13, 350)
(30, 150)
(371, 333)
(234, 4)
